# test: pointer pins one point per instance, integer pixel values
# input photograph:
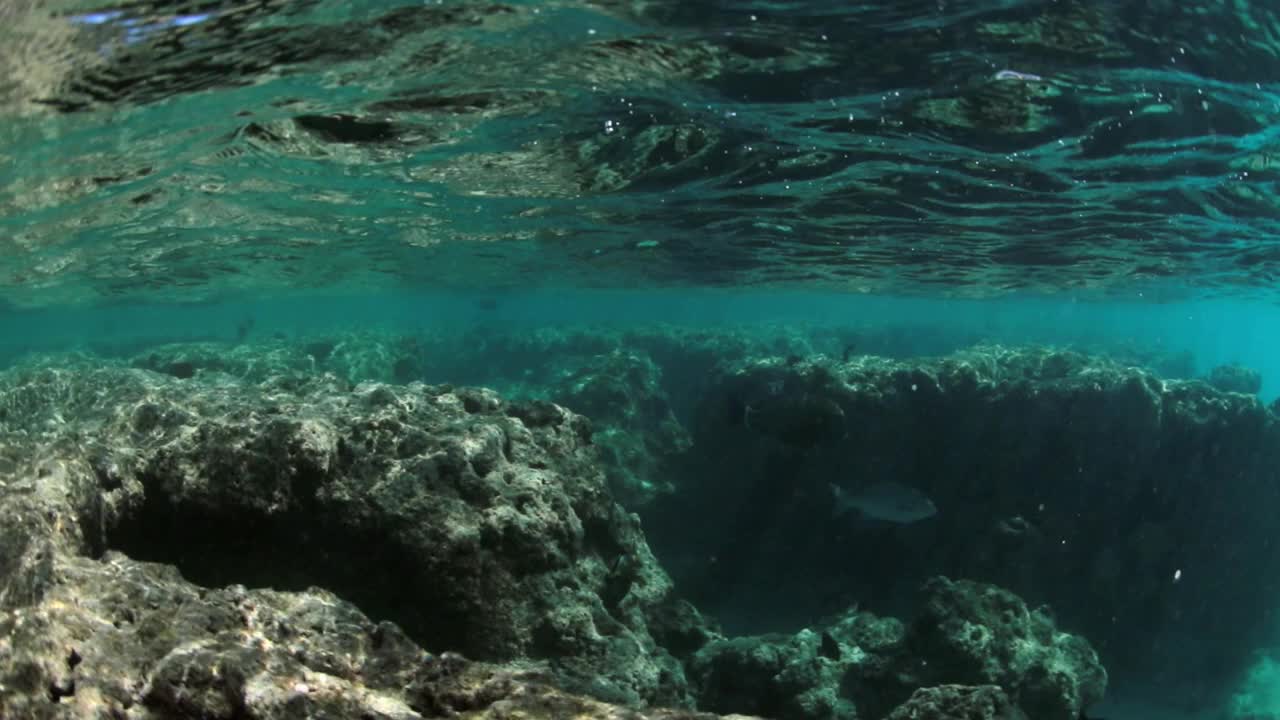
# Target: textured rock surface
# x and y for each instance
(1235, 378)
(861, 666)
(114, 638)
(811, 675)
(971, 633)
(1068, 479)
(1020, 449)
(636, 430)
(958, 702)
(478, 526)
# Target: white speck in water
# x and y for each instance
(1177, 575)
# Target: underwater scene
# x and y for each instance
(639, 360)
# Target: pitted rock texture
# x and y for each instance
(973, 633)
(863, 666)
(479, 527)
(958, 702)
(116, 638)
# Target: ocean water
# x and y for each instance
(1013, 260)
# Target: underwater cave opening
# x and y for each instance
(216, 546)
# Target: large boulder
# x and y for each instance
(976, 634)
(971, 645)
(111, 637)
(478, 526)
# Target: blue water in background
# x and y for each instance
(1214, 332)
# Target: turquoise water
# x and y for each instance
(1211, 332)
(1013, 255)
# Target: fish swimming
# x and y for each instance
(888, 502)
(1015, 75)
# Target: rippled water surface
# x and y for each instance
(190, 150)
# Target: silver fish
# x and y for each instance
(1015, 75)
(888, 501)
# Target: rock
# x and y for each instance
(780, 677)
(973, 633)
(449, 512)
(113, 637)
(1236, 379)
(1056, 475)
(622, 392)
(958, 702)
(861, 666)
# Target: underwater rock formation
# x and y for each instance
(949, 702)
(113, 637)
(972, 633)
(1137, 507)
(478, 526)
(622, 394)
(861, 666)
(1236, 378)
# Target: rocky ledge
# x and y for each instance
(431, 551)
(477, 526)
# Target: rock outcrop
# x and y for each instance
(971, 646)
(478, 526)
(1137, 507)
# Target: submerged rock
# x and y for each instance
(958, 702)
(477, 526)
(1236, 378)
(113, 637)
(1066, 478)
(622, 392)
(968, 634)
(973, 633)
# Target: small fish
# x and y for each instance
(1015, 75)
(888, 501)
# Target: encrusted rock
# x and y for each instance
(478, 526)
(973, 633)
(861, 666)
(958, 702)
(115, 638)
(1236, 378)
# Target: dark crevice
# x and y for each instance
(295, 550)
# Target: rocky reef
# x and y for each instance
(1236, 378)
(241, 534)
(1084, 481)
(111, 637)
(971, 644)
(1102, 489)
(478, 526)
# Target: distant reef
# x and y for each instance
(306, 528)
